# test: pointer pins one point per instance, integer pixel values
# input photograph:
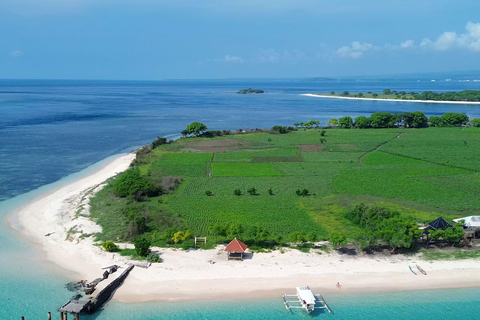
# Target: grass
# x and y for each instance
(447, 254)
(423, 173)
(131, 253)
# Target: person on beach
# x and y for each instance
(339, 286)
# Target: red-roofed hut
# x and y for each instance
(236, 249)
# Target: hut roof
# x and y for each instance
(440, 223)
(236, 246)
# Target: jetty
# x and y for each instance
(92, 304)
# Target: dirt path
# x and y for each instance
(378, 147)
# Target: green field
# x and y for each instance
(423, 173)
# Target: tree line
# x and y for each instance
(415, 119)
(465, 95)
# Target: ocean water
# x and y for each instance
(54, 131)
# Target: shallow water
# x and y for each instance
(52, 129)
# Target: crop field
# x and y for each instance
(424, 173)
(242, 169)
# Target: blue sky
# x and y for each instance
(175, 39)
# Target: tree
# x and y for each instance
(436, 121)
(362, 122)
(218, 229)
(315, 123)
(345, 122)
(196, 128)
(345, 93)
(332, 93)
(398, 118)
(419, 120)
(475, 122)
(332, 122)
(252, 191)
(178, 236)
(360, 95)
(374, 95)
(381, 120)
(415, 119)
(454, 234)
(387, 91)
(237, 192)
(454, 119)
(142, 246)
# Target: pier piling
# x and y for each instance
(61, 315)
(49, 315)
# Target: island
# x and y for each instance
(250, 91)
(463, 97)
(313, 202)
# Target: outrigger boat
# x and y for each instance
(421, 270)
(305, 299)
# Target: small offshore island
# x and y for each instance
(314, 204)
(465, 96)
(250, 91)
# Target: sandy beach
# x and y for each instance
(59, 223)
(395, 100)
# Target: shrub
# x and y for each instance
(158, 142)
(270, 191)
(237, 192)
(142, 246)
(153, 258)
(322, 133)
(252, 191)
(170, 183)
(209, 193)
(304, 193)
(131, 183)
(109, 246)
(475, 122)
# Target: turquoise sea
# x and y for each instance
(52, 132)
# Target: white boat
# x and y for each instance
(305, 299)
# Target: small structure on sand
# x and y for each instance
(236, 249)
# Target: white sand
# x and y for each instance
(379, 99)
(206, 274)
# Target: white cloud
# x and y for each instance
(16, 54)
(233, 59)
(425, 43)
(407, 44)
(446, 41)
(470, 40)
(356, 50)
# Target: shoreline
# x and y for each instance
(396, 100)
(207, 274)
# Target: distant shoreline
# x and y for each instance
(395, 100)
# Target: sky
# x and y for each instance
(214, 39)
